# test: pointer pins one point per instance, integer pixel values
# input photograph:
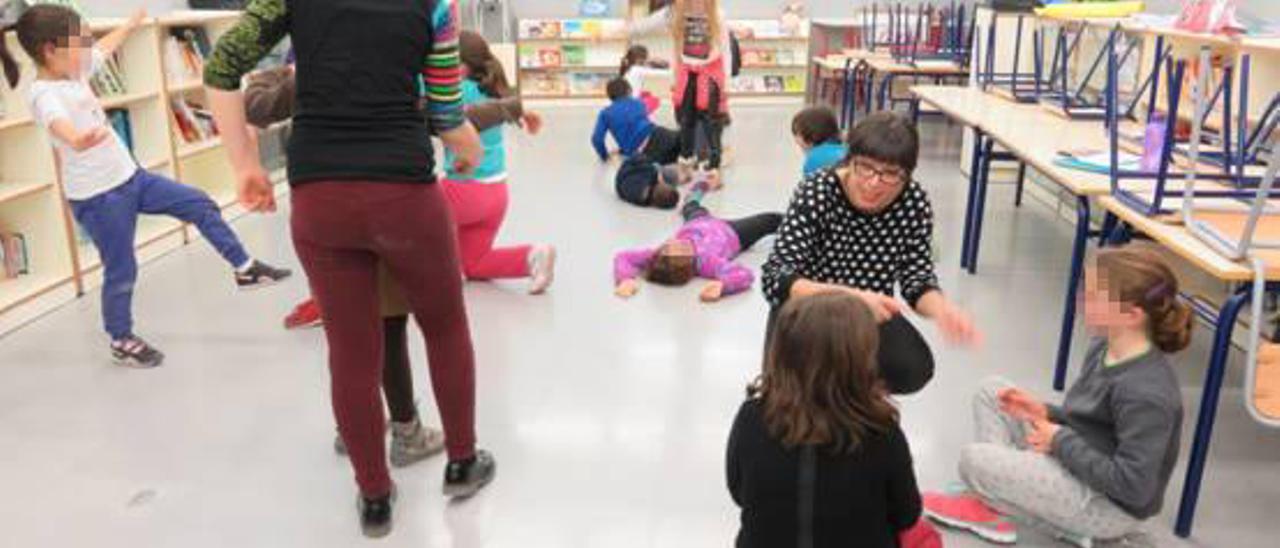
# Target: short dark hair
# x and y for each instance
(816, 125)
(886, 137)
(39, 26)
(617, 88)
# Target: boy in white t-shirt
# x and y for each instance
(104, 185)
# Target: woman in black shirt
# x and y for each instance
(864, 227)
(816, 458)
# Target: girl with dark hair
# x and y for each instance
(635, 67)
(479, 198)
(816, 452)
(1093, 468)
(865, 228)
(362, 170)
(704, 247)
(105, 187)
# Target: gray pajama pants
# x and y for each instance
(1013, 479)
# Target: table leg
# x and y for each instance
(1109, 223)
(1073, 283)
(975, 164)
(980, 203)
(1022, 177)
(1209, 407)
(886, 84)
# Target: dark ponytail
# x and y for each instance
(636, 55)
(7, 61)
(483, 66)
(39, 26)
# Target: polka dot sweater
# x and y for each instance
(824, 239)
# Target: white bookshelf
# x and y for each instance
(568, 58)
(62, 264)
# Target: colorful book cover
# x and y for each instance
(528, 56)
(773, 84)
(119, 119)
(574, 55)
(593, 29)
(574, 28)
(550, 57)
(587, 84)
(794, 83)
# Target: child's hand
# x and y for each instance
(1022, 405)
(883, 306)
(1041, 436)
(531, 122)
(626, 289)
(712, 292)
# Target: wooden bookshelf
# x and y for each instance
(566, 58)
(62, 263)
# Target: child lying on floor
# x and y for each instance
(705, 247)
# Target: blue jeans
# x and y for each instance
(111, 219)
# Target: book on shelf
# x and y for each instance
(588, 84)
(13, 253)
(185, 51)
(110, 80)
(119, 120)
(573, 55)
(192, 123)
(550, 57)
(545, 84)
(570, 29)
(767, 83)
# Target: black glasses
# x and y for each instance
(891, 177)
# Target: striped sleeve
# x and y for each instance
(442, 72)
(263, 25)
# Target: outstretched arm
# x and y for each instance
(113, 40)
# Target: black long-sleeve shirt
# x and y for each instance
(864, 499)
(825, 240)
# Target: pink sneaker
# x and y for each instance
(968, 512)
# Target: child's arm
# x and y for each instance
(904, 503)
(269, 96)
(113, 40)
(79, 141)
(734, 277)
(627, 265)
(597, 138)
(1146, 426)
(733, 467)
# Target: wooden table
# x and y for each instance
(888, 70)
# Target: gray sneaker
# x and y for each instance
(412, 442)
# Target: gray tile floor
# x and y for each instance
(608, 418)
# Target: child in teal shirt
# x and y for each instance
(818, 134)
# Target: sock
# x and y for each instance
(246, 266)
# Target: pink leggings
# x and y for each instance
(478, 211)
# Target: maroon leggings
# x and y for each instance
(341, 230)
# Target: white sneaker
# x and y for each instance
(542, 269)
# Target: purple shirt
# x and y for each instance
(715, 245)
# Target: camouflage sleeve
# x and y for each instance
(263, 25)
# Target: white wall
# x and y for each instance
(1260, 9)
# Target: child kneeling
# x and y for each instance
(1096, 466)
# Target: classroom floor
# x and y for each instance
(608, 418)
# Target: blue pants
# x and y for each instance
(111, 219)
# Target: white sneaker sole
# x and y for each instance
(982, 533)
(542, 283)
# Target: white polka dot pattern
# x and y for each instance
(824, 239)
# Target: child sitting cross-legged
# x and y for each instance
(817, 132)
(1096, 466)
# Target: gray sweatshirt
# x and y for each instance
(1121, 429)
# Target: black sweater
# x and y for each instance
(859, 500)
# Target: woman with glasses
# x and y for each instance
(865, 227)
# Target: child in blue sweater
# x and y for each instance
(627, 119)
(818, 133)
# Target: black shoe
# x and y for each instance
(465, 478)
(261, 274)
(375, 514)
(134, 352)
